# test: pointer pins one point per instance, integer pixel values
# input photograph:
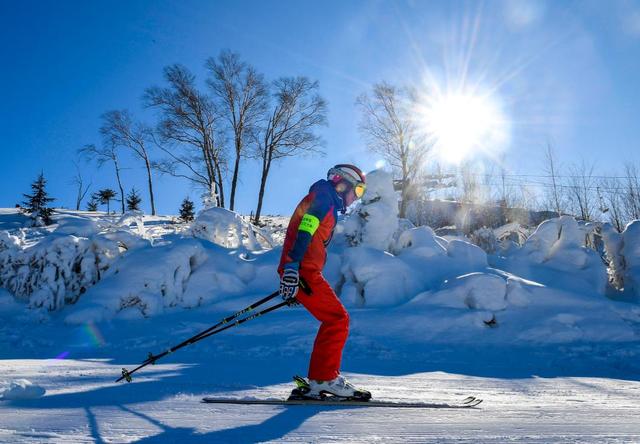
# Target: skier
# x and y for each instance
(303, 257)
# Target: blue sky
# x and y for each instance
(563, 71)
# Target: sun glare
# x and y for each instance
(464, 125)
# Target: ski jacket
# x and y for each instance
(311, 228)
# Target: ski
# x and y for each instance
(469, 402)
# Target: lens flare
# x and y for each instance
(464, 125)
(95, 336)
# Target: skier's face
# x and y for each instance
(349, 196)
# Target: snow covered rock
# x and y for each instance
(374, 222)
(20, 389)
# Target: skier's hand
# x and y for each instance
(289, 282)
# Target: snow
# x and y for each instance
(20, 389)
(538, 330)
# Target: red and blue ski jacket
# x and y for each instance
(311, 228)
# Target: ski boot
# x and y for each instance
(336, 388)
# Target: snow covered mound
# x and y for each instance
(77, 226)
(20, 389)
(479, 291)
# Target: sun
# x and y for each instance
(463, 125)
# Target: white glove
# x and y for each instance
(289, 282)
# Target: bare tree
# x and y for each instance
(613, 201)
(290, 124)
(105, 154)
(632, 191)
(581, 190)
(188, 122)
(242, 93)
(555, 192)
(470, 187)
(81, 189)
(390, 130)
(120, 130)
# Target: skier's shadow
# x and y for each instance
(274, 428)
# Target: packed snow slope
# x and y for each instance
(546, 331)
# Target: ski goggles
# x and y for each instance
(359, 189)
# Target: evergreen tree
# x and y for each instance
(133, 200)
(36, 203)
(186, 210)
(92, 205)
(106, 195)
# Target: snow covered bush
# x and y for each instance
(59, 268)
(422, 241)
(422, 261)
(135, 218)
(224, 228)
(630, 251)
(374, 221)
(376, 278)
(486, 239)
(613, 255)
(557, 252)
(144, 281)
(52, 269)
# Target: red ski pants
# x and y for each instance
(325, 306)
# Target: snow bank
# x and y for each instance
(20, 389)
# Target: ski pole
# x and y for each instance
(151, 359)
(248, 318)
